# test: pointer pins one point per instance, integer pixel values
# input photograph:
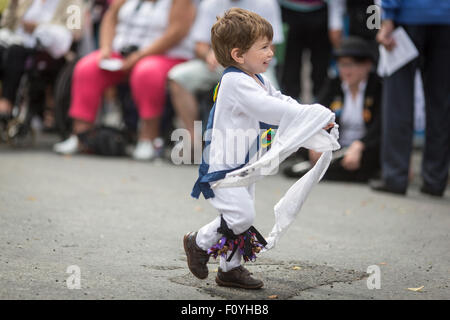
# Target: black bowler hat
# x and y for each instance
(355, 47)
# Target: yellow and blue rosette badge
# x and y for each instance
(267, 137)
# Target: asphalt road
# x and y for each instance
(116, 225)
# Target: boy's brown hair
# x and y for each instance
(238, 28)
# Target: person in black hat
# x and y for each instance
(355, 98)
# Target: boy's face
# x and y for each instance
(257, 58)
(352, 72)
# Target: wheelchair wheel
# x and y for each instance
(18, 128)
(3, 131)
(62, 99)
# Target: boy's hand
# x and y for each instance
(329, 126)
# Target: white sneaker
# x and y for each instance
(68, 146)
(144, 150)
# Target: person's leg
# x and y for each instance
(368, 169)
(14, 59)
(436, 154)
(320, 50)
(290, 78)
(41, 87)
(148, 84)
(88, 84)
(398, 120)
(2, 51)
(5, 106)
(185, 105)
(237, 209)
(236, 206)
(397, 127)
(185, 80)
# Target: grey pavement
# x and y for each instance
(121, 223)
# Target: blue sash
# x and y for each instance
(204, 178)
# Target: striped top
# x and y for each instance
(302, 5)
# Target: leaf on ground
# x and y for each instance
(416, 289)
(274, 296)
(296, 268)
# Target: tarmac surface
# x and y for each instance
(114, 227)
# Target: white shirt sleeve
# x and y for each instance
(254, 101)
(206, 17)
(336, 10)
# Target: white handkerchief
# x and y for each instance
(112, 64)
(403, 52)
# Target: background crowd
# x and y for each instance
(136, 69)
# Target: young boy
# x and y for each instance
(241, 42)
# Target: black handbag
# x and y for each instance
(104, 141)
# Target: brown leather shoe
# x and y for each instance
(238, 277)
(197, 258)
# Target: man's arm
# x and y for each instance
(108, 28)
(204, 52)
(390, 10)
(336, 10)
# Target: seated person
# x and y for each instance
(202, 74)
(143, 40)
(355, 97)
(28, 25)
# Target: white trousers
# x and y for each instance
(237, 207)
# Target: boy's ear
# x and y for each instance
(237, 55)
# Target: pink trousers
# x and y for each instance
(147, 82)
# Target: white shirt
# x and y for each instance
(39, 12)
(141, 22)
(352, 126)
(210, 9)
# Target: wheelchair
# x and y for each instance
(62, 94)
(39, 70)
